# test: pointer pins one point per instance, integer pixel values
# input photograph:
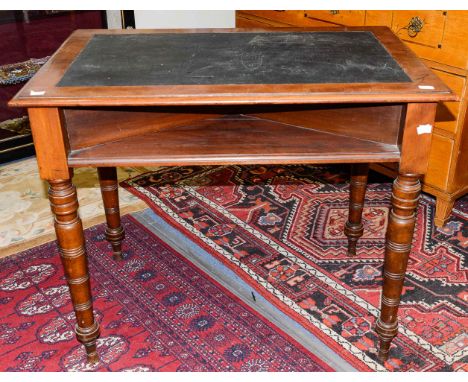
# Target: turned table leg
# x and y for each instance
(70, 238)
(110, 197)
(401, 223)
(357, 191)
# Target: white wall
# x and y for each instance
(185, 19)
(114, 20)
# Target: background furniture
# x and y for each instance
(440, 38)
(27, 39)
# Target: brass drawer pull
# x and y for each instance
(415, 26)
(334, 12)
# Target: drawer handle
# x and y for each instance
(415, 26)
(334, 12)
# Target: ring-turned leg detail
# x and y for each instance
(110, 197)
(401, 223)
(357, 192)
(70, 238)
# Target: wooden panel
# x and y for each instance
(115, 123)
(416, 144)
(439, 161)
(50, 141)
(315, 22)
(291, 18)
(339, 17)
(454, 48)
(432, 28)
(376, 18)
(459, 180)
(240, 140)
(377, 123)
(248, 21)
(447, 112)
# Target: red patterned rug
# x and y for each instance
(281, 229)
(158, 313)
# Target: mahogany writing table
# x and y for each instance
(121, 98)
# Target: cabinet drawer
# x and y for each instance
(453, 48)
(439, 162)
(379, 18)
(293, 18)
(351, 18)
(420, 27)
(248, 21)
(447, 112)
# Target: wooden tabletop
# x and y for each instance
(231, 67)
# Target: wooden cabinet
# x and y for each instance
(424, 28)
(251, 19)
(440, 38)
(351, 18)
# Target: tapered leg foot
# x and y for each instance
(443, 211)
(70, 238)
(401, 223)
(384, 349)
(110, 197)
(386, 334)
(88, 338)
(92, 356)
(357, 192)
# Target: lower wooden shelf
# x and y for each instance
(234, 140)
